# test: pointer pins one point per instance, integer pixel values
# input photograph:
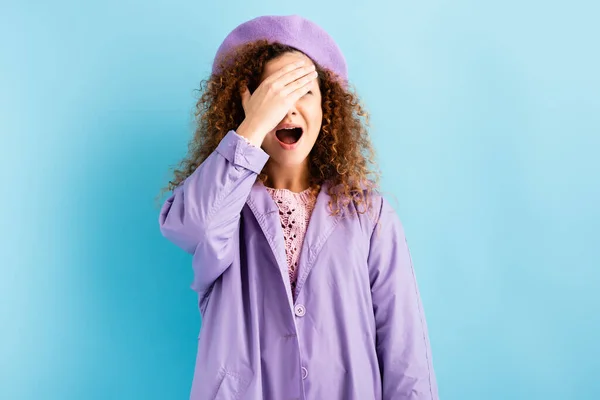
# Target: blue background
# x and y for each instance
(486, 117)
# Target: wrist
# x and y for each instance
(250, 133)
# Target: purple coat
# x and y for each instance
(356, 330)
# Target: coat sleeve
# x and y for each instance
(403, 347)
(203, 213)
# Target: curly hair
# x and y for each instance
(342, 154)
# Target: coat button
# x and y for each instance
(299, 310)
(304, 373)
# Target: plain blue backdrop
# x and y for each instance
(486, 118)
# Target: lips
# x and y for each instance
(288, 133)
(289, 136)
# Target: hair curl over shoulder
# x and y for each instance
(342, 155)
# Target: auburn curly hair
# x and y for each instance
(342, 154)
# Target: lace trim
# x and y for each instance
(295, 210)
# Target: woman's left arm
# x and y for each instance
(403, 345)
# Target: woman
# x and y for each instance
(304, 279)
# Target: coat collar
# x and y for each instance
(320, 227)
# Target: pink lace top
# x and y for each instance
(295, 210)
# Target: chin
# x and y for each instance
(288, 158)
(282, 156)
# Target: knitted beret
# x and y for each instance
(291, 30)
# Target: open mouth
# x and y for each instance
(289, 136)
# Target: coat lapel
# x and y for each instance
(267, 214)
(320, 227)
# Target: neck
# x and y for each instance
(295, 178)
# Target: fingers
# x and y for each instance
(279, 80)
(286, 69)
(300, 86)
(292, 76)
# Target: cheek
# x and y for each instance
(270, 142)
(316, 114)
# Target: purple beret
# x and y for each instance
(291, 30)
